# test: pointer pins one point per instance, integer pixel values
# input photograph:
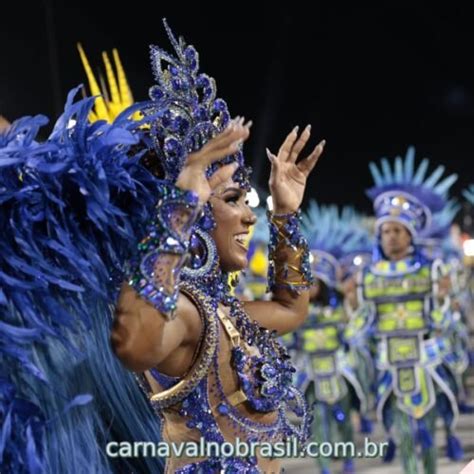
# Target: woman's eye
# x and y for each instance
(232, 199)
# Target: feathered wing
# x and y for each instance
(72, 211)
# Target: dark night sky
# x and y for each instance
(370, 80)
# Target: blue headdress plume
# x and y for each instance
(187, 111)
(331, 236)
(73, 209)
(469, 193)
(358, 247)
(404, 194)
(435, 241)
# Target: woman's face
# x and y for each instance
(233, 220)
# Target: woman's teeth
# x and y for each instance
(240, 239)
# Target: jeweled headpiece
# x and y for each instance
(187, 110)
(404, 195)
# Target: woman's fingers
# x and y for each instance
(307, 165)
(299, 144)
(285, 149)
(222, 145)
(222, 175)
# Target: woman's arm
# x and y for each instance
(142, 337)
(289, 274)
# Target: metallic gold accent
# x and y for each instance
(237, 398)
(233, 334)
(208, 346)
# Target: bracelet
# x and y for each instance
(289, 264)
(154, 271)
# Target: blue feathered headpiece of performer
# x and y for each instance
(329, 239)
(357, 249)
(404, 194)
(469, 193)
(435, 241)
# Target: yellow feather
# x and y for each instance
(100, 106)
(125, 93)
(114, 92)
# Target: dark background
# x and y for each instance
(370, 80)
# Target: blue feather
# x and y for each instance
(443, 186)
(420, 172)
(73, 209)
(409, 163)
(433, 179)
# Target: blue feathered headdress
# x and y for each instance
(404, 194)
(358, 248)
(469, 193)
(435, 241)
(331, 235)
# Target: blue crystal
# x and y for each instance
(207, 222)
(200, 113)
(223, 409)
(155, 93)
(171, 145)
(190, 53)
(184, 125)
(268, 390)
(268, 371)
(219, 105)
(416, 399)
(338, 414)
(202, 81)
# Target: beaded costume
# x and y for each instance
(408, 317)
(326, 361)
(253, 401)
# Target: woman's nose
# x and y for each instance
(250, 217)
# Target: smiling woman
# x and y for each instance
(210, 364)
(233, 219)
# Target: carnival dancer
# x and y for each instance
(410, 310)
(211, 365)
(327, 366)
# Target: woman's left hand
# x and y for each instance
(288, 178)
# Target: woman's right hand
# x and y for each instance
(193, 175)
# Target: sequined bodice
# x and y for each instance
(245, 394)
